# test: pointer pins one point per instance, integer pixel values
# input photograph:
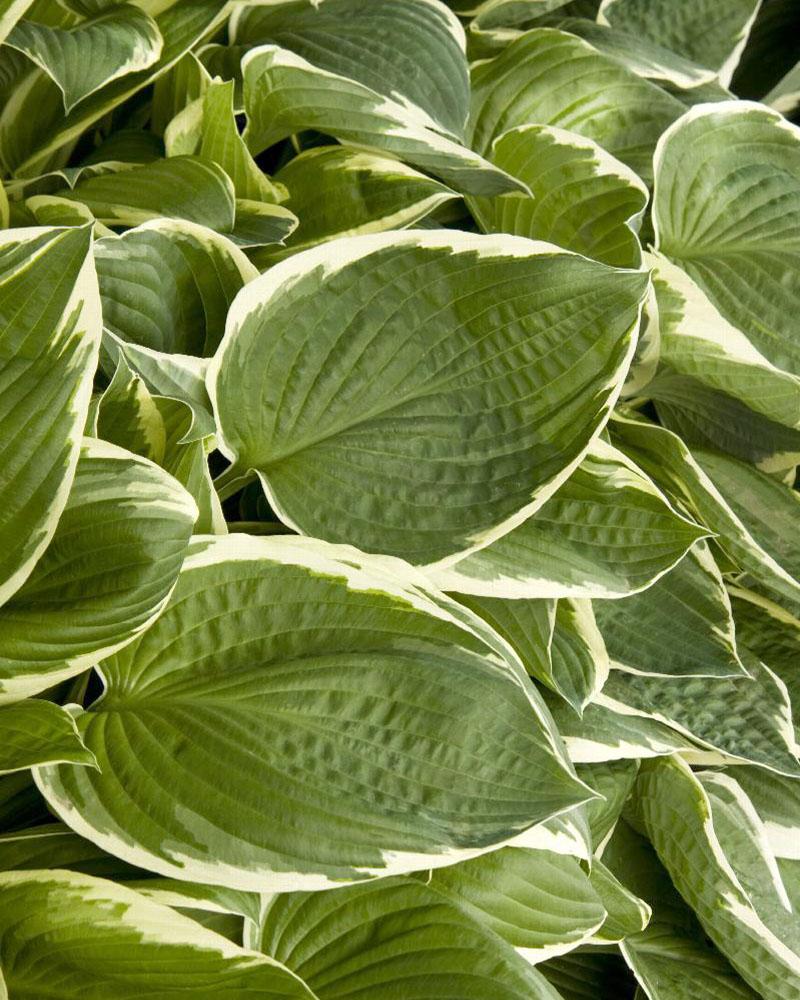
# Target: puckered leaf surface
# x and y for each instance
(435, 421)
(320, 727)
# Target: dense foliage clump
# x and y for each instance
(399, 551)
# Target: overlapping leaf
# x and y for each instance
(312, 714)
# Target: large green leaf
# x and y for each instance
(83, 59)
(710, 33)
(607, 532)
(398, 938)
(181, 187)
(321, 727)
(33, 125)
(726, 208)
(550, 77)
(49, 340)
(284, 93)
(341, 191)
(38, 732)
(106, 575)
(741, 719)
(681, 626)
(714, 850)
(542, 904)
(105, 941)
(672, 958)
(419, 63)
(581, 197)
(454, 407)
(167, 285)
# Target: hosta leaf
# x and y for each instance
(526, 625)
(33, 125)
(672, 958)
(557, 642)
(568, 834)
(174, 90)
(420, 63)
(284, 93)
(167, 285)
(52, 210)
(709, 33)
(542, 904)
(665, 457)
(222, 143)
(177, 376)
(681, 626)
(579, 658)
(745, 719)
(340, 191)
(772, 634)
(260, 223)
(85, 58)
(726, 209)
(758, 417)
(608, 732)
(54, 845)
(39, 732)
(776, 799)
(614, 780)
(768, 509)
(691, 825)
(49, 340)
(708, 418)
(581, 197)
(626, 913)
(397, 937)
(607, 532)
(106, 575)
(401, 432)
(646, 57)
(181, 187)
(315, 715)
(103, 939)
(11, 11)
(497, 23)
(549, 77)
(156, 427)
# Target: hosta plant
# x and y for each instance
(399, 559)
